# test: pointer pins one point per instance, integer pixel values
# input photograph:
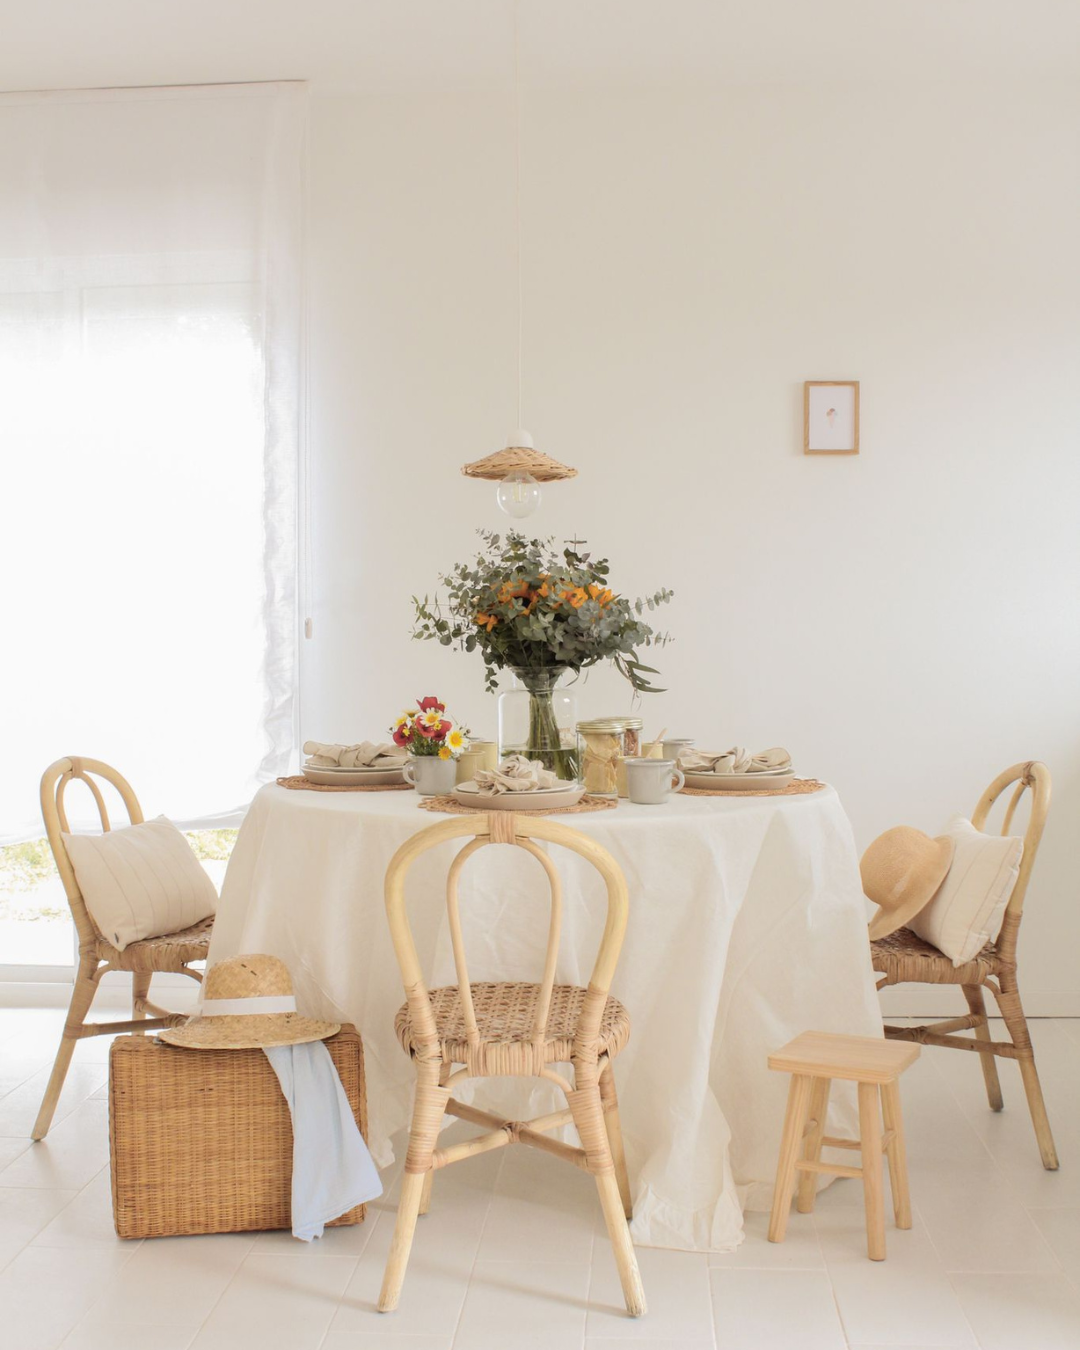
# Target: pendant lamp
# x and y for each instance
(519, 468)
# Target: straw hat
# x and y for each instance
(248, 1003)
(901, 872)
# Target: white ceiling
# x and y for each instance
(355, 45)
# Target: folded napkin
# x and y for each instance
(366, 754)
(332, 1168)
(736, 760)
(515, 774)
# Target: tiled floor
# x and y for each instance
(513, 1255)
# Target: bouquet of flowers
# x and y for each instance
(428, 731)
(539, 612)
(524, 606)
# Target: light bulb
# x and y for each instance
(518, 494)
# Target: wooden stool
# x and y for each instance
(814, 1059)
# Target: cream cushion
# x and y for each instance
(141, 881)
(969, 907)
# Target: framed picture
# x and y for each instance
(831, 417)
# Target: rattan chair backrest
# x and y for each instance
(1034, 776)
(521, 831)
(54, 782)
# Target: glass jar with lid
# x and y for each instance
(607, 743)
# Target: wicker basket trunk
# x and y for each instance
(201, 1141)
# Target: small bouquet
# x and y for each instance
(428, 731)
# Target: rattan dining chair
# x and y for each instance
(902, 958)
(512, 1029)
(172, 952)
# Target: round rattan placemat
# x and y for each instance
(298, 783)
(452, 807)
(796, 789)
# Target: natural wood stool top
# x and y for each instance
(862, 1059)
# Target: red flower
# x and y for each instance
(444, 728)
(431, 701)
(401, 736)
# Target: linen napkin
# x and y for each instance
(332, 1168)
(736, 760)
(367, 754)
(515, 774)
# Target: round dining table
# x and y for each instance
(747, 926)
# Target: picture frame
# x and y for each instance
(831, 417)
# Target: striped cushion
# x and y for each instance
(140, 881)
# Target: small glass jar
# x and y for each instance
(608, 743)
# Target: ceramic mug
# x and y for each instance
(650, 781)
(430, 775)
(674, 749)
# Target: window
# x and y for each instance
(149, 377)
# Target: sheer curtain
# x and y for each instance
(150, 338)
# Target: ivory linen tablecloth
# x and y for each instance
(747, 925)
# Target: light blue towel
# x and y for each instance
(332, 1168)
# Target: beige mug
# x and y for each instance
(651, 781)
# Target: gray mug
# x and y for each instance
(650, 782)
(675, 749)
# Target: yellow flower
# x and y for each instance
(456, 740)
(444, 753)
(432, 718)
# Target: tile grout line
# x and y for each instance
(479, 1245)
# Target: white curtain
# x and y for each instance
(150, 339)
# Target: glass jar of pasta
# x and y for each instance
(607, 743)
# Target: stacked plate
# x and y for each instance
(768, 779)
(539, 799)
(361, 775)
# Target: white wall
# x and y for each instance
(904, 621)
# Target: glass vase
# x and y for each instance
(537, 719)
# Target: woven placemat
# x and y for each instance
(452, 807)
(796, 789)
(300, 784)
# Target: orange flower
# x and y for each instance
(487, 621)
(602, 594)
(577, 596)
(517, 592)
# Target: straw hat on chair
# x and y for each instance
(248, 1003)
(901, 872)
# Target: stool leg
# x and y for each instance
(896, 1152)
(790, 1148)
(819, 1108)
(873, 1182)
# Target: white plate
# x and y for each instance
(740, 782)
(546, 799)
(338, 777)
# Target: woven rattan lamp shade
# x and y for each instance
(519, 459)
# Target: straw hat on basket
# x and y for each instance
(248, 1003)
(901, 872)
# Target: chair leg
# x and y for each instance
(806, 1190)
(896, 1153)
(82, 995)
(588, 1112)
(140, 992)
(977, 1007)
(790, 1147)
(610, 1102)
(429, 1175)
(873, 1182)
(1013, 1012)
(428, 1111)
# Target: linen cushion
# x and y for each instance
(140, 881)
(968, 910)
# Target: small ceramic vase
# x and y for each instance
(430, 775)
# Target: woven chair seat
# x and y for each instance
(505, 1016)
(905, 958)
(170, 951)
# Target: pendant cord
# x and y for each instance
(517, 206)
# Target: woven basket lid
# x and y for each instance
(519, 456)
